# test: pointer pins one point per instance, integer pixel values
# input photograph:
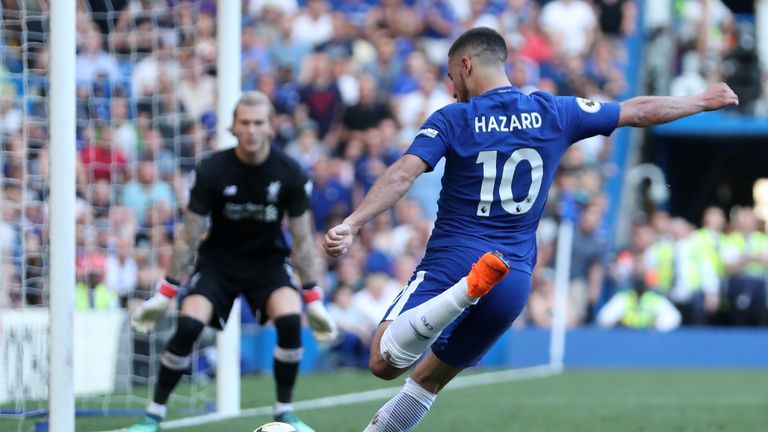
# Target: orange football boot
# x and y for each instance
(485, 273)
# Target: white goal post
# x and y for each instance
(61, 395)
(229, 88)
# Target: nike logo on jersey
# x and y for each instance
(507, 123)
(230, 190)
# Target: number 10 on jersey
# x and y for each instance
(508, 201)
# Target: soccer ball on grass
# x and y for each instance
(276, 427)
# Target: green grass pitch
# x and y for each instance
(575, 401)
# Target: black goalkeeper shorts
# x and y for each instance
(221, 286)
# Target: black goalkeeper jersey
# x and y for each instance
(247, 204)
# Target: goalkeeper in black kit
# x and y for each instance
(245, 192)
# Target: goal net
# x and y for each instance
(137, 140)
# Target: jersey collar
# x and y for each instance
(499, 90)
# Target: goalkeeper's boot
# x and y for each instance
(485, 273)
(147, 423)
(291, 418)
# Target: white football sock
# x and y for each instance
(281, 408)
(404, 411)
(156, 410)
(414, 330)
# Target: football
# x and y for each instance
(275, 427)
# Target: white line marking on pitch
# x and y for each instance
(366, 396)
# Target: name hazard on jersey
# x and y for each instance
(259, 212)
(507, 123)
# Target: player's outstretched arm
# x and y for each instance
(646, 111)
(143, 319)
(384, 193)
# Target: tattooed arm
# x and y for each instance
(305, 259)
(307, 264)
(186, 244)
(145, 316)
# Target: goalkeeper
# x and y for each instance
(244, 192)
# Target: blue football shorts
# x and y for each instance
(464, 342)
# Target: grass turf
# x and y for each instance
(576, 401)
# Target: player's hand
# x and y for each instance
(718, 96)
(338, 240)
(321, 322)
(144, 318)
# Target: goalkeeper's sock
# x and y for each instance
(414, 330)
(156, 410)
(404, 411)
(282, 408)
(287, 355)
(166, 382)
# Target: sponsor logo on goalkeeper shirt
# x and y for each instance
(257, 212)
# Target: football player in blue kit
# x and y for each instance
(502, 148)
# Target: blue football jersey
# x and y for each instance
(501, 150)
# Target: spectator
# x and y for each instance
(393, 18)
(541, 304)
(121, 271)
(288, 52)
(570, 24)
(124, 132)
(321, 94)
(696, 288)
(480, 16)
(370, 109)
(10, 246)
(375, 298)
(256, 59)
(514, 15)
(587, 263)
(386, 67)
(745, 254)
(90, 291)
(355, 12)
(306, 148)
(160, 63)
(100, 198)
(413, 108)
(94, 63)
(690, 81)
(197, 90)
(10, 116)
(329, 195)
(101, 160)
(314, 25)
(440, 23)
(355, 330)
(616, 17)
(640, 307)
(710, 238)
(139, 194)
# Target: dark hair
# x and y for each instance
(481, 42)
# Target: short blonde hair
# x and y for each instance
(254, 98)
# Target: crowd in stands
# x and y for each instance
(714, 44)
(352, 81)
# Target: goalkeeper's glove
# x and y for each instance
(320, 321)
(144, 318)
